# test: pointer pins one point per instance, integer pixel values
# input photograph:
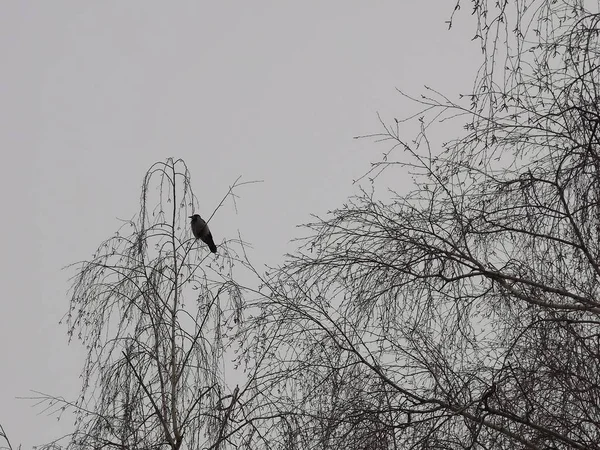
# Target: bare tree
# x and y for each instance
(463, 314)
(154, 310)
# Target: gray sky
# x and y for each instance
(91, 94)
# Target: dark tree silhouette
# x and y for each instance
(463, 314)
(155, 312)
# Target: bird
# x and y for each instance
(201, 231)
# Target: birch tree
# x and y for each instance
(463, 314)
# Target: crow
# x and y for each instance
(202, 232)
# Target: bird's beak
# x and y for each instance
(189, 217)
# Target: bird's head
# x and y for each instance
(195, 217)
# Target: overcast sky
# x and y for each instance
(91, 94)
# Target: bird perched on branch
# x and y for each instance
(202, 232)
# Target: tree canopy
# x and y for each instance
(463, 314)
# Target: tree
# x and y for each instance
(154, 309)
(463, 314)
